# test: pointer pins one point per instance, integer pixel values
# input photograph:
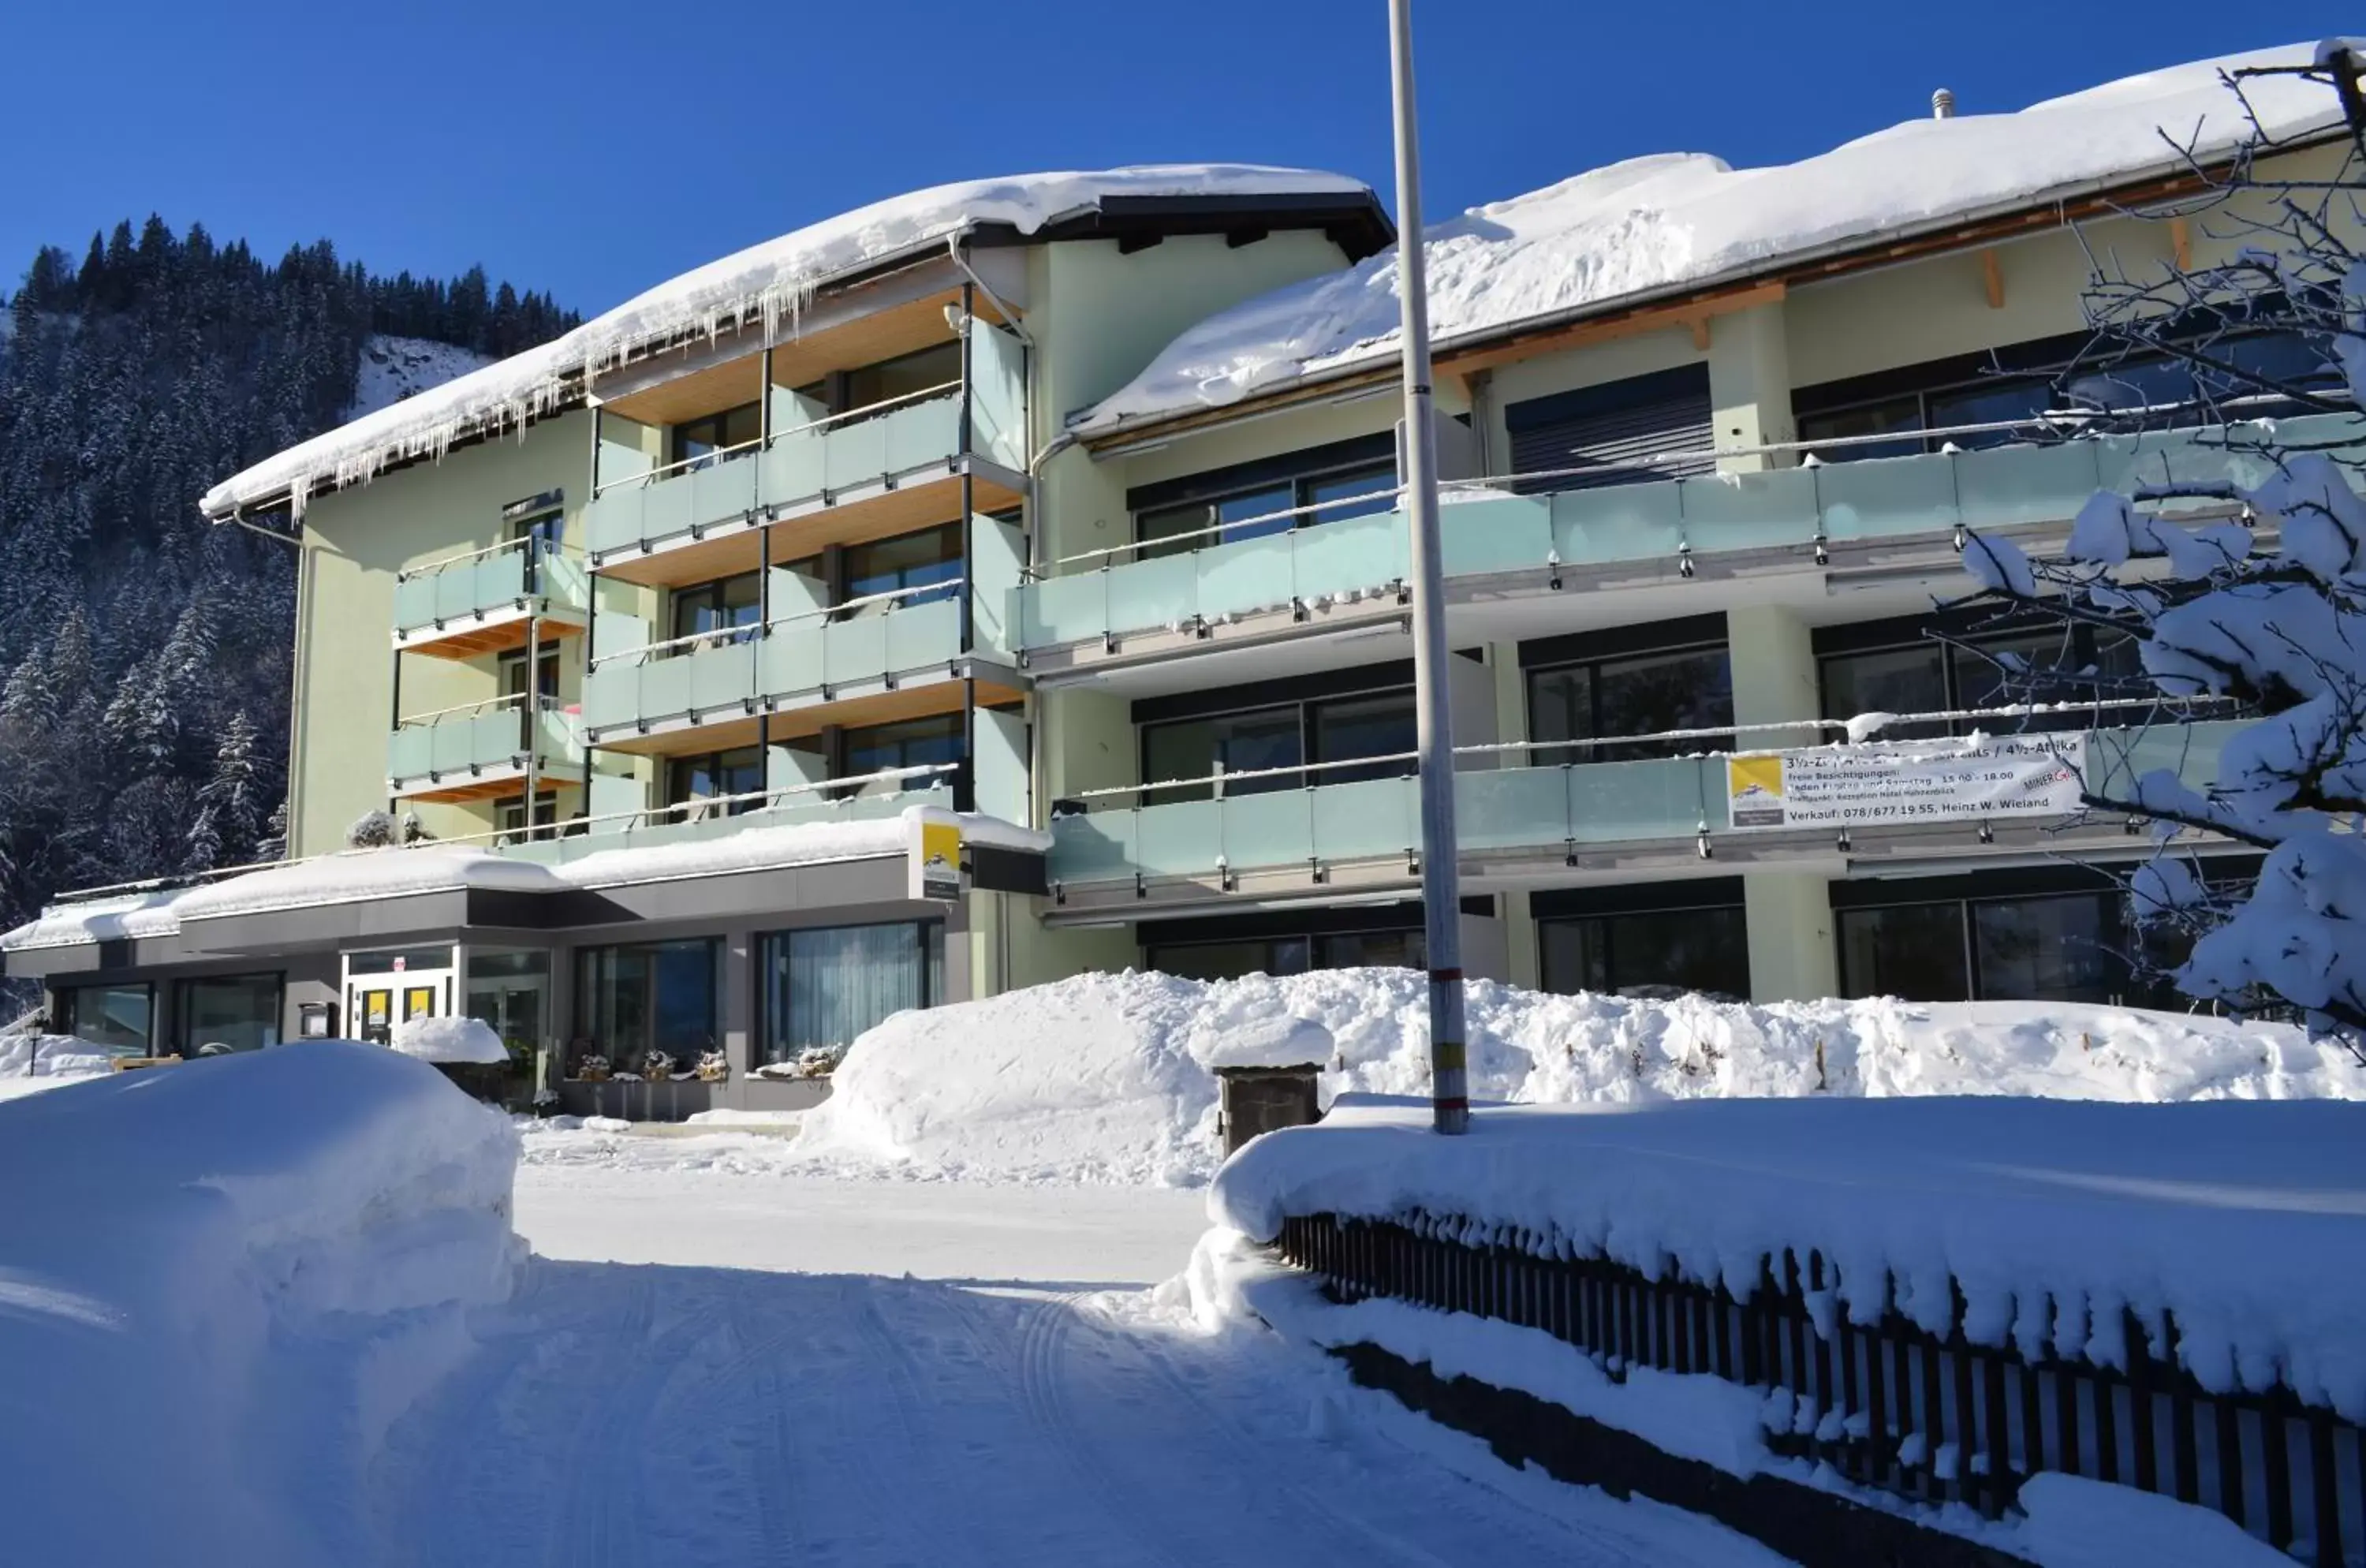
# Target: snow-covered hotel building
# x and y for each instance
(1061, 507)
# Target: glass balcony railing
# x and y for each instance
(570, 846)
(792, 662)
(1665, 520)
(856, 451)
(447, 751)
(488, 583)
(1548, 809)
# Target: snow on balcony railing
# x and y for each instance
(723, 454)
(719, 637)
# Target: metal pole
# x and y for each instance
(1441, 890)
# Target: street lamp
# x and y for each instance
(1440, 877)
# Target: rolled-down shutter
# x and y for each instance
(1604, 433)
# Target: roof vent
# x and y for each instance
(1943, 104)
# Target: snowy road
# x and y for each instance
(628, 1414)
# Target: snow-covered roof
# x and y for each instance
(767, 284)
(358, 876)
(1677, 222)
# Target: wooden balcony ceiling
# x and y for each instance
(723, 731)
(458, 791)
(873, 514)
(800, 360)
(472, 639)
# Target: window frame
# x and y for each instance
(587, 963)
(184, 993)
(721, 449)
(683, 806)
(62, 998)
(1570, 751)
(933, 977)
(1304, 709)
(689, 596)
(1300, 472)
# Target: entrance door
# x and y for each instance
(385, 989)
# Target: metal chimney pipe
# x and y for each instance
(1943, 104)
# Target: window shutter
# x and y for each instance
(1607, 431)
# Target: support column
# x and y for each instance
(1750, 386)
(1522, 965)
(1791, 954)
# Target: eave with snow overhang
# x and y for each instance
(763, 295)
(1920, 190)
(376, 898)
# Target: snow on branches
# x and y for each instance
(2250, 589)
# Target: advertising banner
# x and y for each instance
(1886, 783)
(933, 858)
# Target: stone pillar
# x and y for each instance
(1750, 386)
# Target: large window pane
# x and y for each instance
(719, 606)
(650, 996)
(1364, 726)
(1358, 493)
(2062, 949)
(716, 775)
(1988, 402)
(903, 377)
(823, 987)
(912, 743)
(1897, 415)
(1679, 950)
(236, 1012)
(1560, 708)
(696, 442)
(510, 991)
(1229, 743)
(1371, 950)
(1911, 951)
(909, 560)
(117, 1019)
(1664, 691)
(1900, 680)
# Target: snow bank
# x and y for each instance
(222, 1284)
(1109, 1077)
(453, 1041)
(766, 284)
(51, 1056)
(2247, 1221)
(1681, 219)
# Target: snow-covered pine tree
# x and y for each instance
(2253, 591)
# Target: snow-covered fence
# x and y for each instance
(1986, 1292)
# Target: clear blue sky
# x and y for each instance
(595, 147)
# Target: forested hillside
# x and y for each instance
(143, 652)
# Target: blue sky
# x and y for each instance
(595, 147)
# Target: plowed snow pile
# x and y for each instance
(221, 1283)
(1107, 1077)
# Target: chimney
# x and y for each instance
(1943, 104)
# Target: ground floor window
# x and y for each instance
(2054, 947)
(222, 1013)
(1289, 954)
(825, 985)
(646, 1001)
(119, 1018)
(1646, 951)
(510, 990)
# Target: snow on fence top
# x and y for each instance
(1673, 220)
(2246, 1221)
(354, 875)
(767, 284)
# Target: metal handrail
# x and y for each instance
(549, 546)
(752, 631)
(2010, 710)
(648, 476)
(485, 704)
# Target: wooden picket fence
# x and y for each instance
(1934, 1418)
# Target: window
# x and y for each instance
(1225, 947)
(1633, 695)
(539, 518)
(2020, 381)
(905, 376)
(721, 606)
(513, 666)
(909, 743)
(1230, 960)
(237, 1013)
(700, 442)
(823, 987)
(1902, 667)
(1957, 943)
(118, 1018)
(510, 991)
(931, 556)
(648, 999)
(1611, 433)
(1647, 953)
(1347, 479)
(1280, 736)
(714, 775)
(512, 814)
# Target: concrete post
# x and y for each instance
(1791, 957)
(1750, 386)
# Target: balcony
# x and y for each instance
(864, 474)
(481, 752)
(484, 601)
(694, 825)
(1833, 518)
(1518, 823)
(896, 656)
